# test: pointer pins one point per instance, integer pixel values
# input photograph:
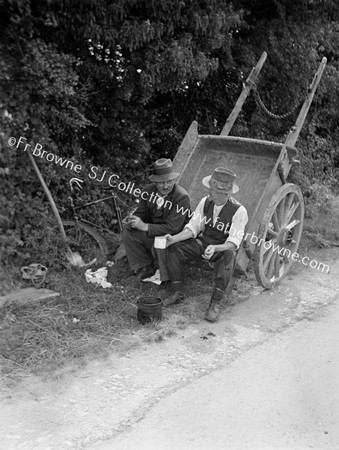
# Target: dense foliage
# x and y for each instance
(116, 84)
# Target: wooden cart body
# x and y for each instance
(262, 168)
(255, 162)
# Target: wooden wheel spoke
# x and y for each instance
(292, 210)
(271, 265)
(272, 232)
(275, 221)
(266, 249)
(281, 211)
(288, 205)
(292, 224)
(268, 258)
(282, 268)
(277, 266)
(285, 257)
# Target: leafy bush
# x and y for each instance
(118, 87)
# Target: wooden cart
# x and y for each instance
(275, 207)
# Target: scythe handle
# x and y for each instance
(49, 196)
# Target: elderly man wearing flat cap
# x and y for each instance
(159, 212)
(214, 233)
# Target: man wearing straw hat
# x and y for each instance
(159, 213)
(213, 234)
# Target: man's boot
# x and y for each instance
(213, 310)
(177, 289)
(145, 272)
(164, 290)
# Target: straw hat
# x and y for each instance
(220, 180)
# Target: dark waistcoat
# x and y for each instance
(218, 233)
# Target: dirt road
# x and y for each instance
(281, 394)
(265, 376)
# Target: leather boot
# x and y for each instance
(164, 290)
(213, 310)
(177, 289)
(145, 272)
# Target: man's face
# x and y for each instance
(219, 197)
(165, 187)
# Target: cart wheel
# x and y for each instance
(279, 235)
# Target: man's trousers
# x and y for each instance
(192, 250)
(138, 247)
(141, 253)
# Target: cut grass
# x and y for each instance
(85, 322)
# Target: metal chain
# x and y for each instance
(261, 104)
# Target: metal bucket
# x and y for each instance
(149, 309)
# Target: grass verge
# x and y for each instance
(87, 322)
(321, 228)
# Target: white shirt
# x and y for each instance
(236, 229)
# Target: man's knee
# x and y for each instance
(127, 236)
(133, 236)
(174, 248)
(229, 257)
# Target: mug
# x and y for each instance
(160, 242)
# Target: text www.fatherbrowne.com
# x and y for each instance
(269, 245)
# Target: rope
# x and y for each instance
(34, 272)
(262, 105)
(38, 279)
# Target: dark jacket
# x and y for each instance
(171, 217)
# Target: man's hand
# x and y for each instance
(137, 224)
(169, 240)
(126, 223)
(209, 252)
(186, 233)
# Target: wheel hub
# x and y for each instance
(284, 237)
